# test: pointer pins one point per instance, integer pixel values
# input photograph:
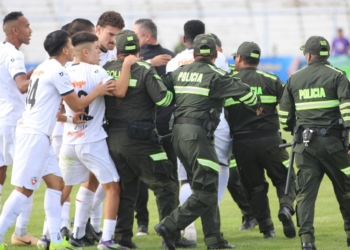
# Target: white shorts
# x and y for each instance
(77, 161)
(7, 145)
(34, 158)
(223, 148)
(56, 144)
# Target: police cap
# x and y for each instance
(248, 49)
(204, 44)
(316, 45)
(127, 41)
(217, 40)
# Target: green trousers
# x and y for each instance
(143, 160)
(323, 155)
(198, 156)
(253, 157)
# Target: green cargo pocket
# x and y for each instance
(189, 136)
(335, 147)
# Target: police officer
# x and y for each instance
(317, 99)
(132, 140)
(256, 140)
(200, 89)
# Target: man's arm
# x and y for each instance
(122, 84)
(286, 112)
(343, 93)
(22, 83)
(160, 60)
(157, 90)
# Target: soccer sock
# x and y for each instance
(12, 208)
(224, 174)
(185, 192)
(108, 229)
(96, 209)
(53, 210)
(83, 205)
(65, 215)
(46, 230)
(23, 218)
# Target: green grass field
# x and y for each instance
(328, 223)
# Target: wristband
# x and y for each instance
(148, 61)
(69, 119)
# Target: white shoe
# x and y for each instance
(190, 232)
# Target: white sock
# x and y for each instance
(185, 192)
(96, 209)
(53, 210)
(12, 208)
(224, 174)
(83, 205)
(23, 218)
(65, 215)
(46, 230)
(108, 229)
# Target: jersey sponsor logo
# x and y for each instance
(34, 180)
(113, 73)
(38, 73)
(185, 62)
(77, 134)
(78, 84)
(311, 93)
(257, 90)
(190, 77)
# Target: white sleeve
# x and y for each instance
(172, 65)
(62, 82)
(101, 75)
(15, 64)
(222, 63)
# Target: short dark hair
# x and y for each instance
(55, 41)
(83, 37)
(111, 18)
(251, 60)
(12, 16)
(80, 24)
(65, 27)
(148, 26)
(193, 28)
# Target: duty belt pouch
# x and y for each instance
(141, 130)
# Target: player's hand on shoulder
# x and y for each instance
(77, 118)
(105, 89)
(160, 60)
(259, 111)
(131, 59)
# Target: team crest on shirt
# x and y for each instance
(12, 60)
(34, 180)
(61, 73)
(96, 71)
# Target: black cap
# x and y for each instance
(316, 45)
(248, 49)
(204, 44)
(217, 40)
(127, 41)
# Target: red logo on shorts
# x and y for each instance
(34, 180)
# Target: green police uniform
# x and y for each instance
(200, 89)
(255, 145)
(132, 140)
(317, 100)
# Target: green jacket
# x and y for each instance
(270, 89)
(316, 96)
(145, 90)
(201, 86)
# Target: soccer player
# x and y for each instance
(14, 82)
(34, 157)
(84, 147)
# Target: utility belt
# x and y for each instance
(306, 135)
(139, 129)
(254, 134)
(209, 125)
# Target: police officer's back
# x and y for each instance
(317, 100)
(200, 89)
(256, 140)
(132, 140)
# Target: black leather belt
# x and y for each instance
(255, 134)
(188, 120)
(327, 132)
(117, 124)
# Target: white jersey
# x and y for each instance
(85, 77)
(12, 102)
(108, 56)
(186, 57)
(48, 83)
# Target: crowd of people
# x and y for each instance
(113, 111)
